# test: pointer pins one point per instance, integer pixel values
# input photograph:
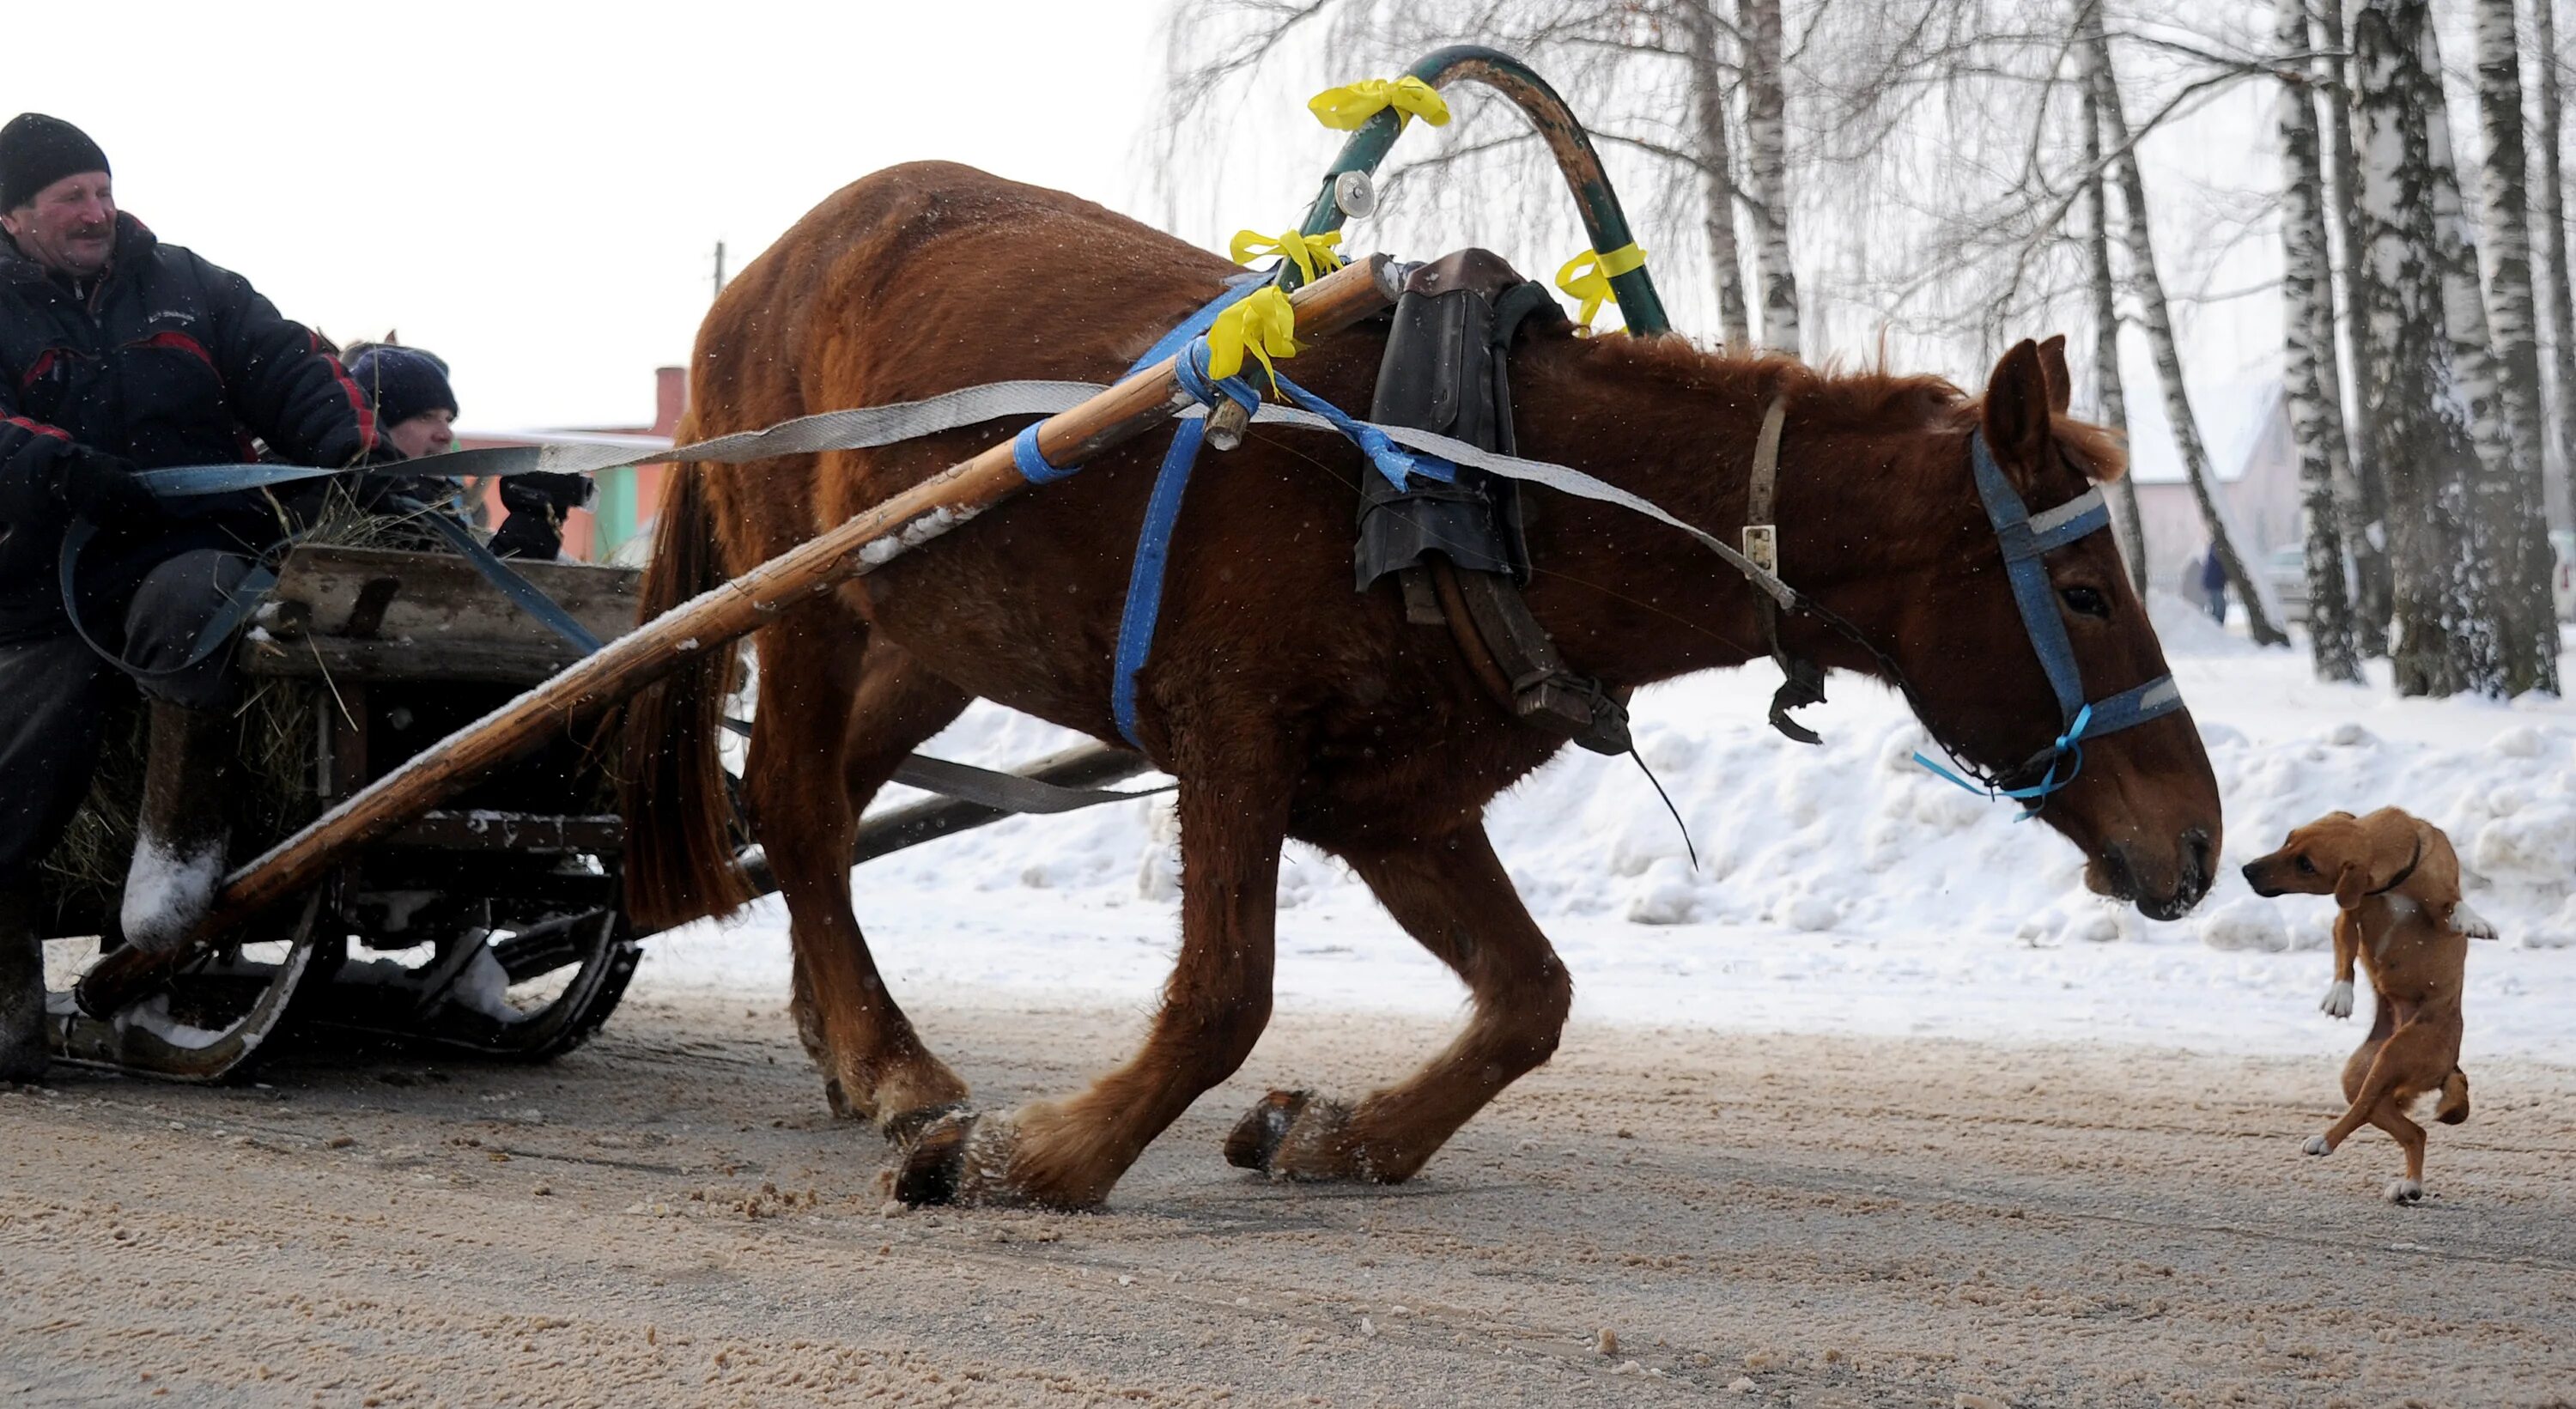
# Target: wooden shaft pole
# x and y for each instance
(710, 621)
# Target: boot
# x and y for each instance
(22, 986)
(180, 837)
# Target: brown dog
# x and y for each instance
(2396, 883)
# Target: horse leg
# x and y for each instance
(1068, 1153)
(1454, 897)
(832, 708)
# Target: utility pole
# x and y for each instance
(719, 268)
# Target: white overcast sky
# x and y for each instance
(535, 190)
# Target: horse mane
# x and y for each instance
(1869, 396)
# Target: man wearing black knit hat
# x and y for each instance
(120, 353)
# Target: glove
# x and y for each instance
(102, 488)
(547, 493)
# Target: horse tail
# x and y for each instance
(679, 862)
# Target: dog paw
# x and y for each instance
(2338, 1001)
(2403, 1192)
(2317, 1146)
(2469, 922)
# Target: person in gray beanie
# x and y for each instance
(119, 353)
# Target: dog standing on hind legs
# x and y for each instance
(2396, 884)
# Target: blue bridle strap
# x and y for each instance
(2025, 538)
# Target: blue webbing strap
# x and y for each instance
(1143, 610)
(1033, 466)
(1189, 329)
(1145, 575)
(238, 604)
(526, 595)
(2024, 537)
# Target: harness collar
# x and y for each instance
(2405, 873)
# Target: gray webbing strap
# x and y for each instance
(1007, 792)
(886, 425)
(856, 429)
(1554, 476)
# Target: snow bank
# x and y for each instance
(1844, 867)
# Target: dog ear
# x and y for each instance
(2437, 876)
(2352, 883)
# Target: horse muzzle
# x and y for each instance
(2163, 888)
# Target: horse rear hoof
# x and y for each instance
(935, 1166)
(1255, 1140)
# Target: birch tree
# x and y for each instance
(1766, 136)
(1701, 34)
(2156, 317)
(2307, 336)
(2365, 502)
(2549, 221)
(2110, 396)
(2509, 330)
(2412, 384)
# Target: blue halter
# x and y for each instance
(2025, 537)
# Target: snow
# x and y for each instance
(167, 891)
(1840, 889)
(153, 1016)
(484, 987)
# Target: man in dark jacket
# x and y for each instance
(120, 353)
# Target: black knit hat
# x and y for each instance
(402, 382)
(36, 151)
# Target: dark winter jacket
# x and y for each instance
(163, 360)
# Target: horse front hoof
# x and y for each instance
(1254, 1142)
(2405, 1192)
(2317, 1146)
(958, 1157)
(1298, 1135)
(932, 1168)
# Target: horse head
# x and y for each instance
(1897, 499)
(1972, 648)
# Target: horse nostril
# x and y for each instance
(2198, 865)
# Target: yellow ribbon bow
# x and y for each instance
(1312, 254)
(1263, 324)
(1343, 109)
(1592, 284)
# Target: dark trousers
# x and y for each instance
(56, 696)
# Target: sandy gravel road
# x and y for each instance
(669, 1218)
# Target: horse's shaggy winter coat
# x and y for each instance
(1284, 704)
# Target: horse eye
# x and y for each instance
(2306, 867)
(2087, 601)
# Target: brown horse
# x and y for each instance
(1285, 705)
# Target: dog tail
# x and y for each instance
(2454, 1108)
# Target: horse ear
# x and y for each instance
(2016, 416)
(2061, 383)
